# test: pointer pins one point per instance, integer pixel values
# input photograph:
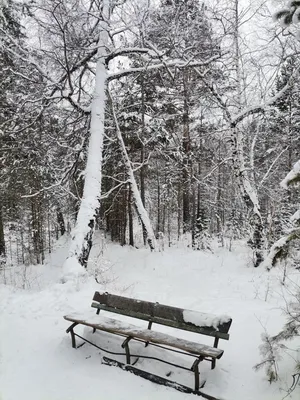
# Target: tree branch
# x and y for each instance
(173, 63)
(129, 50)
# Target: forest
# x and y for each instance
(146, 120)
(151, 123)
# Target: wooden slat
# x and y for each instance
(173, 324)
(158, 313)
(118, 327)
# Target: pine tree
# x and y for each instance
(181, 29)
(9, 25)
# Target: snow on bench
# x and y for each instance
(203, 319)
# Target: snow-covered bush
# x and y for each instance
(273, 347)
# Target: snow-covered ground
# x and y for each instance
(38, 363)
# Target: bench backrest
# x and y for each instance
(193, 321)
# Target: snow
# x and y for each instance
(72, 270)
(291, 176)
(37, 360)
(296, 16)
(202, 319)
(279, 244)
(167, 63)
(295, 217)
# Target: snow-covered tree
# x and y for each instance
(273, 346)
(8, 23)
(279, 249)
(182, 29)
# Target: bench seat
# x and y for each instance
(122, 328)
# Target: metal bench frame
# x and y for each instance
(153, 313)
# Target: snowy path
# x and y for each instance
(37, 361)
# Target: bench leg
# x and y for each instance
(213, 362)
(195, 369)
(126, 347)
(97, 312)
(71, 331)
(149, 327)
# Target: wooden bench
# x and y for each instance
(155, 313)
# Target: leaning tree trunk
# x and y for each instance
(82, 235)
(143, 215)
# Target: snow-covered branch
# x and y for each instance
(292, 177)
(279, 248)
(262, 107)
(271, 166)
(152, 67)
(129, 50)
(76, 105)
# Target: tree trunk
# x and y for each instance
(130, 219)
(61, 222)
(186, 144)
(237, 56)
(37, 229)
(82, 236)
(142, 170)
(249, 194)
(195, 207)
(246, 185)
(2, 241)
(124, 217)
(158, 223)
(179, 211)
(219, 202)
(143, 215)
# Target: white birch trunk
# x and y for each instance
(237, 56)
(249, 193)
(142, 212)
(244, 179)
(82, 234)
